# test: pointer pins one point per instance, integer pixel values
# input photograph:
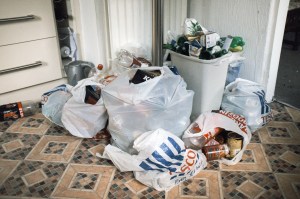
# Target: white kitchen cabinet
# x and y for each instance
(29, 50)
(29, 63)
(26, 20)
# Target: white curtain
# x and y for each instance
(107, 25)
(130, 21)
(175, 12)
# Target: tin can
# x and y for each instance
(235, 143)
(215, 152)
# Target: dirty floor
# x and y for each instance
(41, 160)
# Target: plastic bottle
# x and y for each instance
(18, 110)
(95, 71)
(199, 142)
(227, 43)
(127, 59)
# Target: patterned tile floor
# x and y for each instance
(41, 160)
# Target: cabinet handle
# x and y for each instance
(35, 64)
(22, 18)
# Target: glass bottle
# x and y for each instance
(215, 152)
(128, 60)
(18, 110)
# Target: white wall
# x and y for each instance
(261, 24)
(245, 18)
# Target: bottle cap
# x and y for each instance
(100, 67)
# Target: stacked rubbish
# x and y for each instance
(79, 109)
(220, 135)
(197, 41)
(145, 99)
(145, 110)
(163, 160)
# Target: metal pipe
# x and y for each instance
(157, 32)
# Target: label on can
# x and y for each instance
(215, 152)
(235, 143)
(11, 111)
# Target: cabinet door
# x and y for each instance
(26, 20)
(29, 63)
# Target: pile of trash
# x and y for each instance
(145, 99)
(79, 109)
(221, 135)
(199, 42)
(146, 112)
(163, 160)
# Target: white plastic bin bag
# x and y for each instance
(53, 102)
(82, 119)
(247, 98)
(161, 102)
(207, 122)
(162, 161)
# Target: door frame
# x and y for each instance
(277, 19)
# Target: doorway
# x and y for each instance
(287, 90)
